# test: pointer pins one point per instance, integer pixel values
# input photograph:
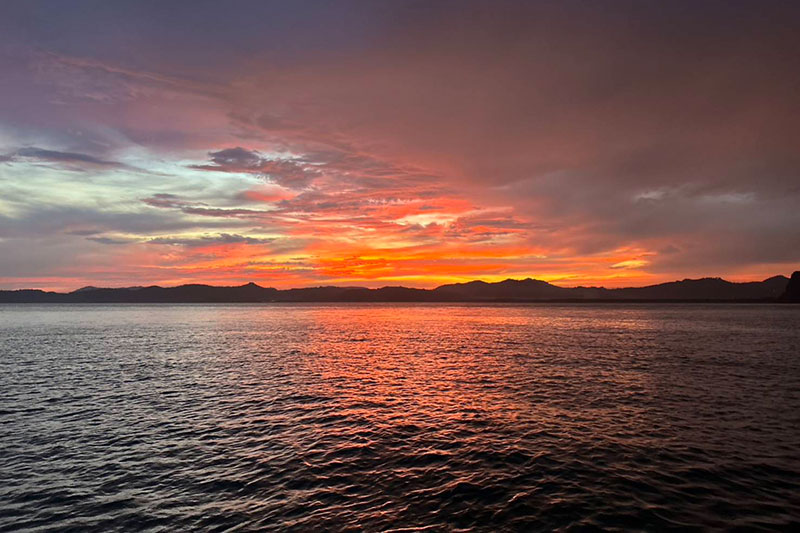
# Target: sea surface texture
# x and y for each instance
(399, 417)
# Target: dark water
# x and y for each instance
(391, 417)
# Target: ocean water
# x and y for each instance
(399, 417)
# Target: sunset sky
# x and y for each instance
(382, 143)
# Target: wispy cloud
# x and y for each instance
(209, 240)
(171, 201)
(69, 160)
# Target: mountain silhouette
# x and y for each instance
(777, 288)
(792, 292)
(706, 289)
(529, 289)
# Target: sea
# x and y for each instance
(399, 417)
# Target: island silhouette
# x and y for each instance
(776, 288)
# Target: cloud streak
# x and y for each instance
(68, 160)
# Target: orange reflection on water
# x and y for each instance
(450, 367)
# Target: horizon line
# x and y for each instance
(93, 287)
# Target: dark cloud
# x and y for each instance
(111, 240)
(40, 154)
(84, 232)
(209, 240)
(68, 160)
(171, 201)
(285, 172)
(236, 157)
(164, 200)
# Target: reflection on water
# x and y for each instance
(375, 417)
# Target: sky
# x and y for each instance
(406, 143)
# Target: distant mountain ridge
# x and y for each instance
(687, 289)
(777, 288)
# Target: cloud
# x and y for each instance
(210, 240)
(40, 154)
(171, 201)
(236, 157)
(288, 173)
(67, 160)
(263, 195)
(165, 200)
(112, 240)
(39, 221)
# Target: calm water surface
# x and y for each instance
(385, 417)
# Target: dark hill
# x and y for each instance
(510, 290)
(705, 289)
(792, 293)
(181, 294)
(30, 296)
(397, 294)
(688, 289)
(315, 294)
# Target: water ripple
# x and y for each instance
(399, 417)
